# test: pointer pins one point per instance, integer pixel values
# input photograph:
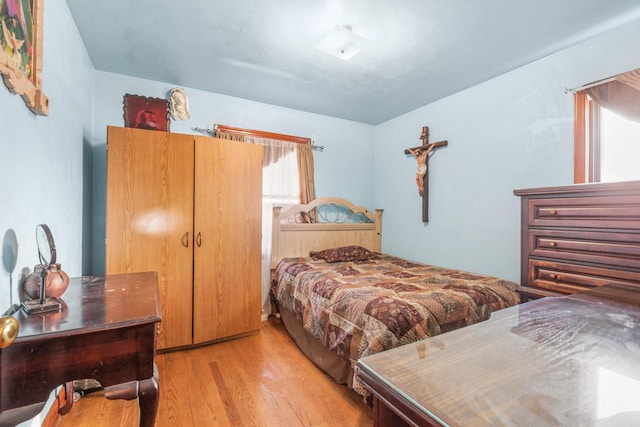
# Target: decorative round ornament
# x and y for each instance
(56, 282)
(9, 327)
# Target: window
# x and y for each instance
(619, 147)
(280, 175)
(607, 130)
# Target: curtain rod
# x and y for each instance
(263, 134)
(211, 132)
(590, 85)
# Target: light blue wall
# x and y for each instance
(45, 167)
(342, 169)
(42, 164)
(514, 131)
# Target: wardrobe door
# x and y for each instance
(149, 219)
(228, 227)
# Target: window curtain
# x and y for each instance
(306, 173)
(287, 179)
(621, 95)
(305, 176)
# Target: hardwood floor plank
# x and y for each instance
(259, 380)
(187, 391)
(206, 401)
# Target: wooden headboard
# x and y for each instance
(324, 223)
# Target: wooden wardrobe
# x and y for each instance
(188, 207)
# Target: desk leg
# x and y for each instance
(383, 416)
(68, 399)
(148, 397)
(147, 393)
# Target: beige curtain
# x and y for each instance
(621, 95)
(306, 173)
(307, 182)
(229, 135)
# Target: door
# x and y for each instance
(228, 210)
(149, 220)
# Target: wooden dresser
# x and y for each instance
(579, 236)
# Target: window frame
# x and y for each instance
(586, 166)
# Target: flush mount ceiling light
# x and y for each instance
(342, 43)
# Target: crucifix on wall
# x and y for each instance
(422, 153)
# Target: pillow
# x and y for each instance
(345, 253)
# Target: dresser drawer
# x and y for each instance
(567, 278)
(611, 212)
(614, 249)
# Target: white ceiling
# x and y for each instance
(418, 50)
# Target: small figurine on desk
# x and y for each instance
(47, 282)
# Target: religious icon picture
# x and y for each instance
(21, 23)
(146, 113)
(179, 104)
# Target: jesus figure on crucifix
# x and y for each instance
(421, 155)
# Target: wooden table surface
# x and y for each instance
(571, 360)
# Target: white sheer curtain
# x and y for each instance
(280, 187)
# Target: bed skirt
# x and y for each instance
(338, 369)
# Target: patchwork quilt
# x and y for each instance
(371, 304)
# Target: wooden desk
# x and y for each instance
(106, 331)
(572, 360)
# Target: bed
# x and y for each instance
(341, 299)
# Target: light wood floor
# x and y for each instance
(260, 380)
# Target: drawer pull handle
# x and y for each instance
(553, 244)
(553, 277)
(553, 212)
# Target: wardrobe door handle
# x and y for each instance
(185, 240)
(199, 239)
